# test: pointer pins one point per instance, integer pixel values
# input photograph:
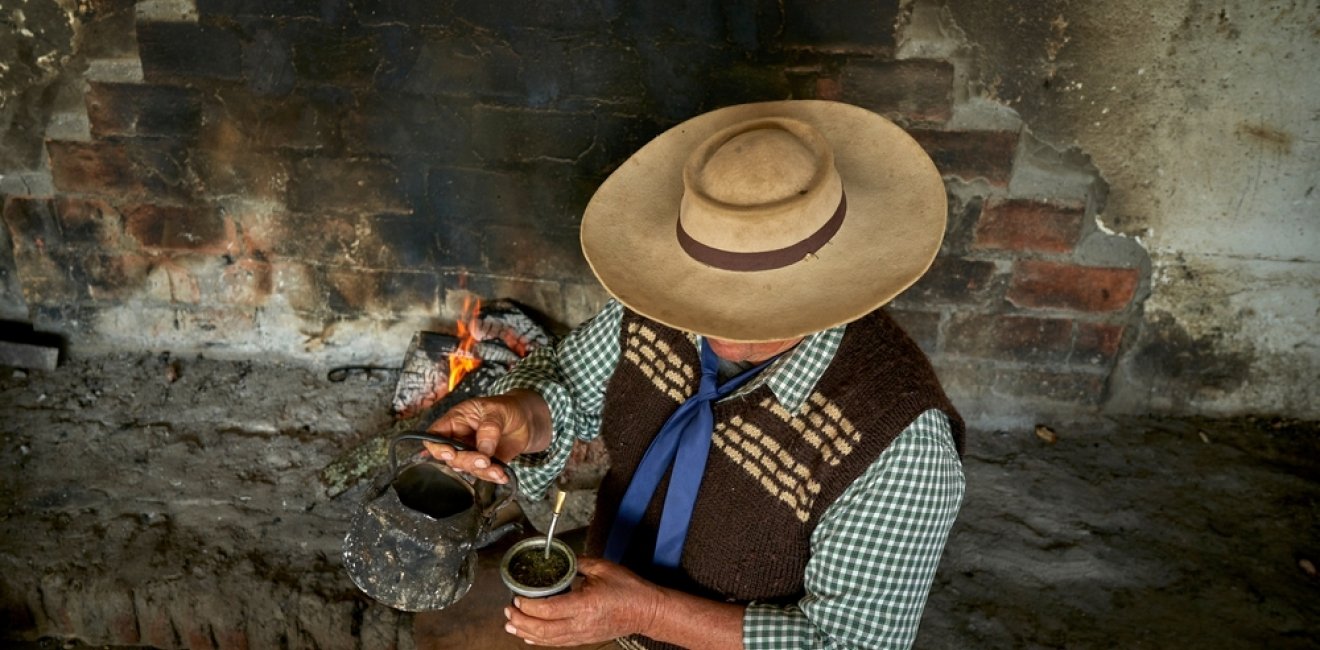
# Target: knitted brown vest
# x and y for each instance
(771, 474)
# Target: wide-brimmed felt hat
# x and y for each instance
(767, 221)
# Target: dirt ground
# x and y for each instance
(174, 502)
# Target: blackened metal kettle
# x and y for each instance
(413, 544)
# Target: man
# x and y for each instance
(784, 464)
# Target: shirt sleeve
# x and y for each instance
(571, 376)
(874, 552)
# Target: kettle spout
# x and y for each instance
(495, 534)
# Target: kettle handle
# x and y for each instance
(431, 437)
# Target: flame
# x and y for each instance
(462, 360)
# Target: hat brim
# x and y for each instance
(897, 212)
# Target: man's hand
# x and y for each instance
(611, 602)
(501, 426)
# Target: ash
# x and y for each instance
(178, 502)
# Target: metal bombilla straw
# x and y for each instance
(554, 519)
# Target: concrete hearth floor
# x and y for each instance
(175, 502)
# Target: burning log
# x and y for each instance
(425, 377)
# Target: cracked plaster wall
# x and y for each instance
(1201, 117)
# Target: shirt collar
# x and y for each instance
(794, 374)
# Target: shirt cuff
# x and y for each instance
(773, 627)
(535, 472)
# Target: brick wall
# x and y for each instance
(320, 179)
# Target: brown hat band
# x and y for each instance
(763, 260)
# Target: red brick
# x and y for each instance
(193, 228)
(89, 221)
(45, 276)
(1010, 337)
(170, 280)
(971, 154)
(952, 279)
(1053, 285)
(829, 88)
(142, 109)
(112, 277)
(918, 90)
(119, 168)
(247, 282)
(1033, 339)
(31, 224)
(1097, 343)
(1027, 225)
(259, 229)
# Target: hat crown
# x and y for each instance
(763, 165)
(761, 185)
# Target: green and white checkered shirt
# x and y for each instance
(875, 549)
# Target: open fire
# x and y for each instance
(462, 359)
(488, 339)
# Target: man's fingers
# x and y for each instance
(553, 607)
(541, 631)
(439, 451)
(478, 465)
(454, 424)
(478, 424)
(473, 463)
(489, 431)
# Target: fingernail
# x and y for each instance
(446, 455)
(508, 627)
(507, 614)
(517, 602)
(486, 448)
(481, 462)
